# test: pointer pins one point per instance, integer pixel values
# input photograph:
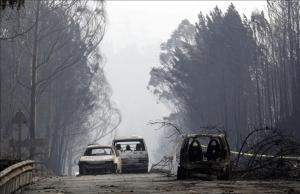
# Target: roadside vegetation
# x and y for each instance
(236, 74)
(51, 68)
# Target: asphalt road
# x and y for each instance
(154, 183)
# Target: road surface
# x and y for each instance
(154, 183)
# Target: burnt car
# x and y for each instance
(99, 159)
(207, 154)
(133, 153)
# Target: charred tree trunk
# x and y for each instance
(70, 164)
(0, 88)
(258, 94)
(297, 107)
(225, 112)
(291, 57)
(34, 79)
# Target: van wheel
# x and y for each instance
(144, 170)
(115, 169)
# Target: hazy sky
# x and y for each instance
(135, 30)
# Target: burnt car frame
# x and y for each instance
(207, 154)
(99, 159)
(133, 153)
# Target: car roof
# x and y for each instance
(99, 146)
(132, 137)
(206, 135)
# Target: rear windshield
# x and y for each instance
(205, 149)
(204, 142)
(98, 151)
(130, 145)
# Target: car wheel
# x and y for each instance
(82, 170)
(182, 173)
(224, 175)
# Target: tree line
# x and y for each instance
(11, 3)
(52, 69)
(233, 72)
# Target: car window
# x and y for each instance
(130, 145)
(98, 151)
(202, 140)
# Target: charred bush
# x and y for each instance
(268, 153)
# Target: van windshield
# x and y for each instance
(129, 145)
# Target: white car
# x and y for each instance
(133, 152)
(99, 159)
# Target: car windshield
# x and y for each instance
(98, 151)
(130, 145)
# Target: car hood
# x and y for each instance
(96, 158)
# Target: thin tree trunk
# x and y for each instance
(225, 112)
(291, 58)
(33, 79)
(258, 94)
(298, 58)
(284, 101)
(70, 164)
(0, 89)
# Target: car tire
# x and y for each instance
(82, 170)
(182, 173)
(224, 175)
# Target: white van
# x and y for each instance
(133, 152)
